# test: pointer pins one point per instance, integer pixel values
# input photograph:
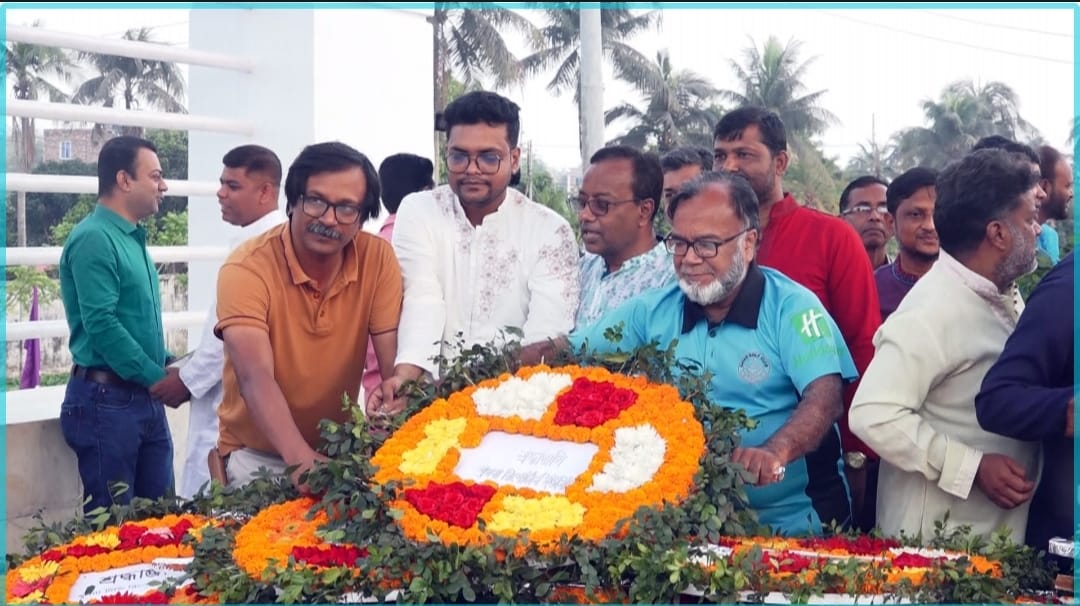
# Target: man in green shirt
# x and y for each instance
(113, 414)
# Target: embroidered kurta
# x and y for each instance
(602, 292)
(518, 268)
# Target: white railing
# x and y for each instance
(50, 255)
(128, 117)
(71, 184)
(127, 48)
(40, 404)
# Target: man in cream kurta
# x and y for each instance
(519, 268)
(915, 406)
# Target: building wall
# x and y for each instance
(79, 141)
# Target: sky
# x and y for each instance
(877, 66)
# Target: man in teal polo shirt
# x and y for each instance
(113, 414)
(772, 348)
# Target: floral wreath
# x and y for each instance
(646, 440)
(49, 578)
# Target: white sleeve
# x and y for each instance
(423, 314)
(554, 284)
(203, 370)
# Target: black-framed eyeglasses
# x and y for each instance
(487, 163)
(702, 248)
(598, 206)
(315, 207)
(865, 210)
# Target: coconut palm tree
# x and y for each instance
(560, 46)
(31, 70)
(135, 82)
(468, 43)
(773, 78)
(964, 114)
(677, 109)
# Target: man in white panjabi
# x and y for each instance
(476, 255)
(250, 181)
(916, 403)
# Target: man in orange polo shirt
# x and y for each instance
(296, 307)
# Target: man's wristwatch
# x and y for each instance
(855, 460)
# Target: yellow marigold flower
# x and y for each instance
(442, 435)
(40, 571)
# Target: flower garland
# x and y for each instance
(646, 444)
(286, 531)
(882, 565)
(50, 577)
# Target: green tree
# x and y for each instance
(546, 190)
(773, 77)
(45, 209)
(31, 70)
(136, 83)
(678, 109)
(964, 114)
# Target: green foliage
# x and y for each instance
(652, 557)
(21, 282)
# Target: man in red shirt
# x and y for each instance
(817, 250)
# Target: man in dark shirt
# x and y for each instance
(113, 414)
(910, 199)
(1028, 395)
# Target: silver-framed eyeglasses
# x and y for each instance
(488, 163)
(702, 248)
(865, 210)
(315, 207)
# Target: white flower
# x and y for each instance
(635, 458)
(524, 399)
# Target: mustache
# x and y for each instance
(318, 228)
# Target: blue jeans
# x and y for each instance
(119, 434)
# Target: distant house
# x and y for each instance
(63, 144)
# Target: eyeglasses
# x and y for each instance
(316, 207)
(866, 209)
(598, 206)
(488, 163)
(702, 248)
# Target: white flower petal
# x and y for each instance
(635, 459)
(525, 399)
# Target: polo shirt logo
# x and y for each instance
(754, 367)
(811, 325)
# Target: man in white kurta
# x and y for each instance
(915, 405)
(248, 195)
(477, 257)
(519, 268)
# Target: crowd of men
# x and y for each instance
(889, 390)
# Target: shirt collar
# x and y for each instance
(744, 310)
(114, 218)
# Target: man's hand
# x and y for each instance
(1069, 419)
(171, 391)
(764, 465)
(1003, 480)
(386, 400)
(306, 462)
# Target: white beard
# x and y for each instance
(716, 290)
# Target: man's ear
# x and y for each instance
(782, 158)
